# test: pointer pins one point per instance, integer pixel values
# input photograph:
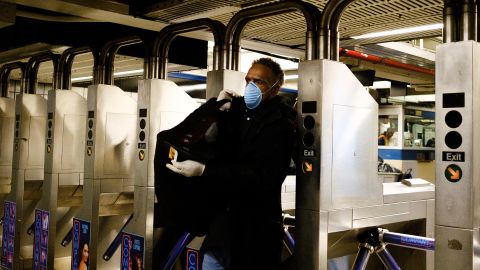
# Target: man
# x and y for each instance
(255, 143)
(384, 138)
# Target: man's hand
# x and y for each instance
(226, 94)
(188, 168)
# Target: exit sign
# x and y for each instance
(453, 156)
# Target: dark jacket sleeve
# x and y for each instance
(263, 163)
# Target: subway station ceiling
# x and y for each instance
(282, 34)
(361, 17)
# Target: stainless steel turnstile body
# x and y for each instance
(457, 211)
(7, 116)
(108, 180)
(162, 105)
(27, 173)
(337, 189)
(64, 163)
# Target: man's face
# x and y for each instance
(262, 76)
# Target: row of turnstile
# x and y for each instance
(83, 163)
(98, 169)
(77, 157)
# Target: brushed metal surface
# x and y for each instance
(456, 248)
(27, 167)
(65, 138)
(166, 105)
(7, 123)
(457, 215)
(109, 156)
(343, 173)
(457, 71)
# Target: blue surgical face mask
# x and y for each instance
(252, 96)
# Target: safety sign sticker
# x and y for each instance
(132, 252)
(9, 214)
(80, 244)
(192, 259)
(453, 173)
(307, 166)
(40, 242)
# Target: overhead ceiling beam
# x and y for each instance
(7, 14)
(82, 9)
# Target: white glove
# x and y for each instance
(187, 168)
(226, 94)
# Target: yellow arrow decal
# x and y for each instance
(455, 174)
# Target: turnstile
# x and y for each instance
(338, 191)
(62, 188)
(7, 115)
(457, 222)
(27, 178)
(108, 179)
(161, 105)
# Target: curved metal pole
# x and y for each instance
(477, 3)
(467, 21)
(5, 73)
(333, 26)
(324, 33)
(31, 70)
(103, 73)
(239, 21)
(107, 57)
(449, 21)
(159, 60)
(64, 70)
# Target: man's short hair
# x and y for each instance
(274, 67)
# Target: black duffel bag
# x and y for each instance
(184, 202)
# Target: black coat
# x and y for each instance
(255, 148)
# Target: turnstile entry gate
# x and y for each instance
(64, 171)
(7, 115)
(457, 92)
(457, 110)
(28, 159)
(27, 167)
(7, 123)
(65, 148)
(108, 179)
(338, 192)
(108, 182)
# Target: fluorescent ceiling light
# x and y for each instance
(129, 72)
(121, 73)
(86, 78)
(291, 77)
(382, 84)
(187, 88)
(401, 31)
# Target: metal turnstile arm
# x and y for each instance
(364, 251)
(406, 240)
(184, 240)
(386, 258)
(31, 228)
(67, 238)
(116, 241)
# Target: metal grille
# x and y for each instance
(361, 17)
